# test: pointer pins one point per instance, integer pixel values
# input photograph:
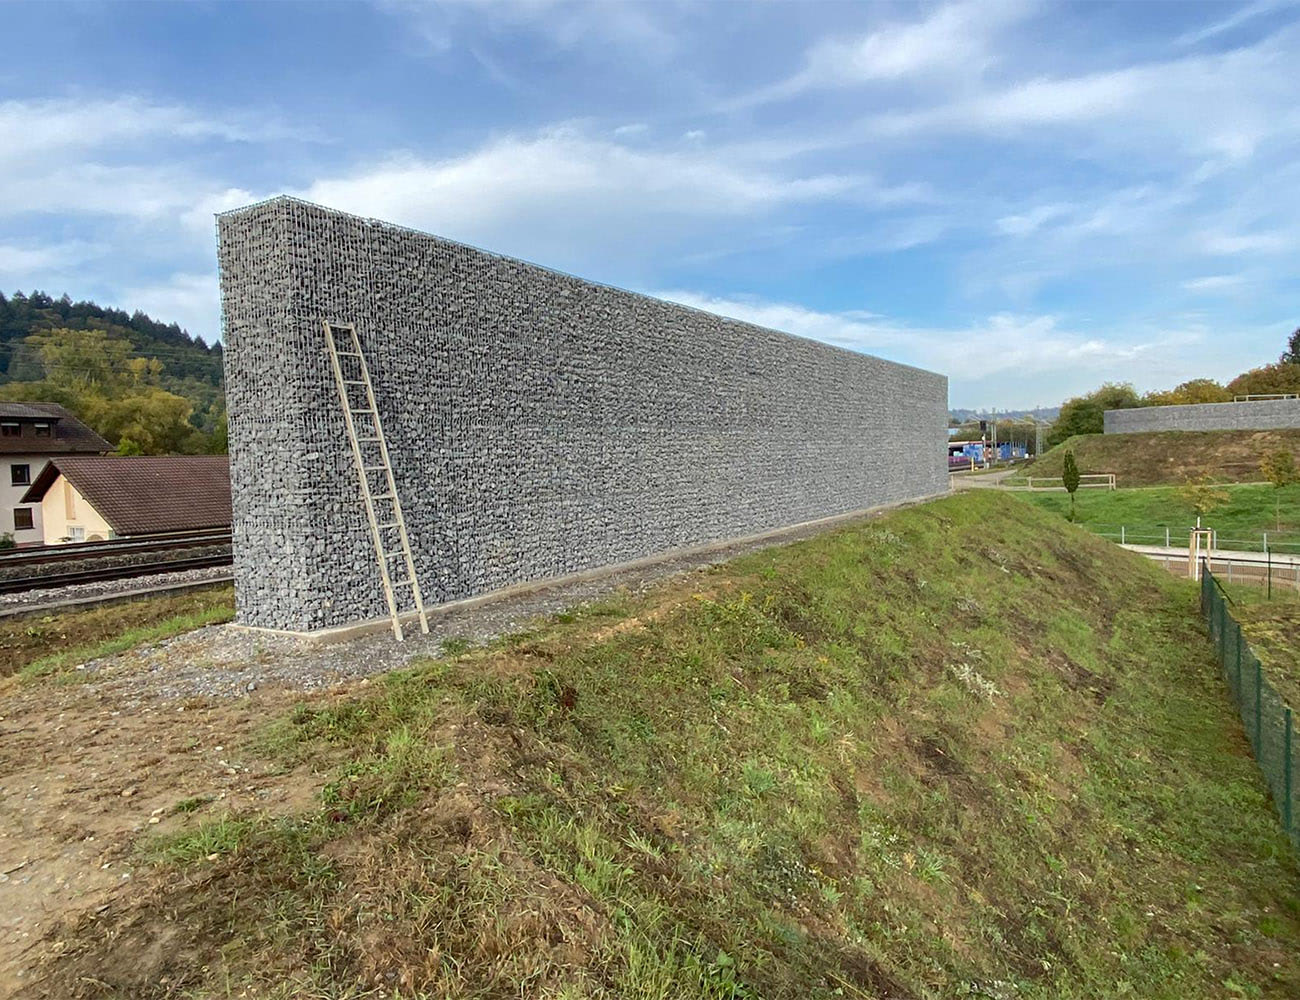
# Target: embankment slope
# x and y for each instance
(1168, 457)
(959, 750)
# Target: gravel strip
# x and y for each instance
(107, 588)
(220, 661)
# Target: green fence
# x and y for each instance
(1266, 716)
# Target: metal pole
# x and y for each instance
(1270, 575)
(1166, 538)
(1121, 534)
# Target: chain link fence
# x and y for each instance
(1267, 717)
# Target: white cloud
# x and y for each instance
(955, 39)
(1240, 16)
(1215, 283)
(562, 188)
(1223, 105)
(999, 344)
(20, 262)
(564, 24)
(1233, 244)
(191, 299)
(40, 128)
(1031, 221)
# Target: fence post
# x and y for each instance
(1225, 662)
(1259, 711)
(1286, 768)
(1166, 537)
(1121, 534)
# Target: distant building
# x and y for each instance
(30, 435)
(85, 498)
(962, 453)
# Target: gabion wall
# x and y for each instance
(539, 425)
(1253, 415)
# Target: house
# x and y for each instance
(91, 498)
(30, 435)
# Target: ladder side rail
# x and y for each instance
(398, 514)
(375, 534)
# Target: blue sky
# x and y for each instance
(1029, 197)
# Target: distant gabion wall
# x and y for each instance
(1253, 415)
(539, 425)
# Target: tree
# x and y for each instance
(1282, 377)
(1279, 469)
(1083, 414)
(1197, 390)
(1070, 477)
(1203, 495)
(1291, 355)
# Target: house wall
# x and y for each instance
(1255, 415)
(63, 508)
(539, 425)
(11, 497)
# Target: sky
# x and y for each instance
(1032, 198)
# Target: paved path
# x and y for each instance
(968, 481)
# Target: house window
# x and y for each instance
(20, 475)
(76, 533)
(10, 429)
(23, 519)
(42, 430)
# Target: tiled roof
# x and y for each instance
(68, 435)
(146, 494)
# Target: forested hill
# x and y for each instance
(143, 384)
(23, 315)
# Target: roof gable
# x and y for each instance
(146, 494)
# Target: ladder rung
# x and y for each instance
(348, 354)
(364, 409)
(373, 468)
(383, 496)
(389, 524)
(399, 583)
(354, 381)
(367, 440)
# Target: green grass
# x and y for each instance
(1240, 522)
(35, 646)
(1272, 628)
(218, 610)
(961, 750)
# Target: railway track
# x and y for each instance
(45, 554)
(48, 581)
(87, 561)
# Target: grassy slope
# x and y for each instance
(1240, 522)
(963, 750)
(1272, 627)
(1170, 457)
(33, 646)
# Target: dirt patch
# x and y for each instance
(85, 774)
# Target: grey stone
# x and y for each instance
(1250, 415)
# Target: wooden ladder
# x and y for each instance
(370, 452)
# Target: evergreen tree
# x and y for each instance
(1070, 477)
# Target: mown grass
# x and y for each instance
(34, 647)
(1165, 457)
(1271, 625)
(962, 750)
(1241, 521)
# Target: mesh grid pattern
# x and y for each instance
(1267, 718)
